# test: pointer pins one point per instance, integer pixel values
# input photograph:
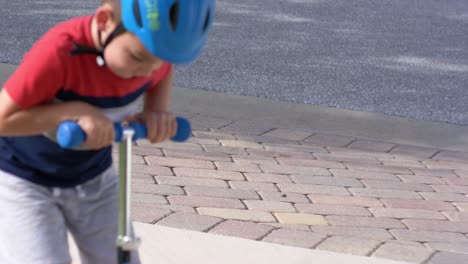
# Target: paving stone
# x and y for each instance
(284, 169)
(212, 134)
(349, 245)
(203, 141)
(270, 206)
(151, 169)
(232, 166)
(326, 180)
(462, 206)
(224, 150)
(359, 221)
(450, 188)
(378, 168)
(175, 208)
(437, 225)
(266, 139)
(404, 186)
(414, 151)
(146, 151)
(147, 181)
(330, 209)
(456, 180)
(242, 229)
(346, 158)
(153, 188)
(448, 197)
(196, 155)
(421, 179)
(383, 193)
(237, 214)
(436, 164)
(279, 153)
(418, 204)
(406, 213)
(451, 247)
(432, 172)
(345, 200)
(452, 156)
(221, 192)
(358, 153)
(169, 145)
(190, 221)
(376, 146)
(364, 175)
(366, 232)
(256, 186)
(283, 197)
(428, 236)
(329, 140)
(457, 216)
(211, 174)
(402, 163)
(141, 176)
(286, 226)
(148, 199)
(409, 158)
(461, 173)
(294, 147)
(205, 201)
(176, 162)
(267, 177)
(253, 159)
(147, 214)
(301, 219)
(403, 252)
(310, 162)
(188, 181)
(448, 258)
(312, 189)
(403, 242)
(296, 238)
(240, 144)
(290, 134)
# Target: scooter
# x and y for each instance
(70, 135)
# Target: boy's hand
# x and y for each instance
(99, 130)
(161, 125)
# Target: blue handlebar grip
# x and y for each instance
(183, 133)
(184, 130)
(140, 130)
(70, 134)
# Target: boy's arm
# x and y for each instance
(161, 124)
(15, 121)
(157, 98)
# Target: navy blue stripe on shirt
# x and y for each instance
(102, 102)
(39, 160)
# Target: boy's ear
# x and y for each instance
(105, 17)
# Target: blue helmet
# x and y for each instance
(172, 30)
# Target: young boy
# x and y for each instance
(92, 70)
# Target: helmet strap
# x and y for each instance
(101, 62)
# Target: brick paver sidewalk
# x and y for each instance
(308, 189)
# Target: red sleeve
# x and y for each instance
(39, 76)
(160, 74)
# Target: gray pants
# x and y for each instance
(34, 221)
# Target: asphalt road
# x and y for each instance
(400, 57)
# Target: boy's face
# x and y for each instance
(127, 57)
